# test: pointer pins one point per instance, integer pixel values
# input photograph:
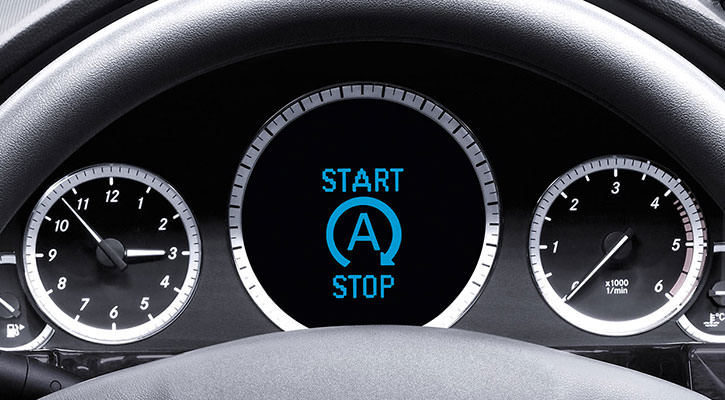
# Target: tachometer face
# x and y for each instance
(364, 204)
(617, 246)
(112, 254)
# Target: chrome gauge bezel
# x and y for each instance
(382, 92)
(673, 305)
(40, 294)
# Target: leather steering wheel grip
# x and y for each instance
(375, 362)
(171, 41)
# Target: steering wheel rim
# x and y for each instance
(574, 42)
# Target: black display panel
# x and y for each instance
(363, 211)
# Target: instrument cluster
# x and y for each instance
(363, 202)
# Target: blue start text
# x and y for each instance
(344, 180)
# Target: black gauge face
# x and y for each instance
(20, 327)
(625, 288)
(364, 209)
(112, 254)
(617, 245)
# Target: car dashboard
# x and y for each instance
(368, 183)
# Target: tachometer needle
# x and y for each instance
(90, 230)
(625, 237)
(140, 253)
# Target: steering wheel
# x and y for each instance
(170, 41)
(378, 362)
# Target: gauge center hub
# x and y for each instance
(109, 250)
(610, 242)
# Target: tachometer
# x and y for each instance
(617, 245)
(111, 253)
(364, 204)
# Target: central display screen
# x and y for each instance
(364, 210)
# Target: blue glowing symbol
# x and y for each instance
(357, 237)
(386, 258)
